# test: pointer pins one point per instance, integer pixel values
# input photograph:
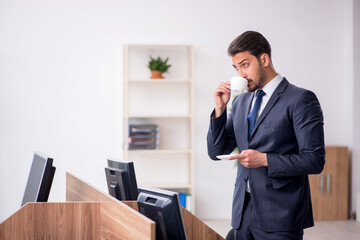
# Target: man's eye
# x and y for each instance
(245, 65)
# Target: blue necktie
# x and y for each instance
(252, 116)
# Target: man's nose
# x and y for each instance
(241, 73)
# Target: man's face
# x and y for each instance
(250, 68)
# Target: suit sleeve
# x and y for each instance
(220, 137)
(308, 125)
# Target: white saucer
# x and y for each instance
(224, 157)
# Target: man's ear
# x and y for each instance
(265, 59)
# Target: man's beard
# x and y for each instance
(262, 80)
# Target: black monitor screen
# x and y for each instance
(163, 207)
(121, 180)
(40, 179)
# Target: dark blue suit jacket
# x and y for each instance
(290, 131)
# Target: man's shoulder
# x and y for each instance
(294, 89)
(298, 95)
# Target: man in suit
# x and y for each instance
(278, 128)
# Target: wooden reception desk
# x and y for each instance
(89, 213)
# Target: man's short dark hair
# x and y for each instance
(250, 41)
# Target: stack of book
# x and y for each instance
(143, 136)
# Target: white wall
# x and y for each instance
(355, 186)
(61, 78)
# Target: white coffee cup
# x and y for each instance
(238, 84)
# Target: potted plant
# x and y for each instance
(158, 66)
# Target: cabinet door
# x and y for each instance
(329, 190)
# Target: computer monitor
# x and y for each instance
(40, 179)
(163, 207)
(121, 180)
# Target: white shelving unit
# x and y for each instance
(169, 104)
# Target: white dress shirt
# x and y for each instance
(269, 88)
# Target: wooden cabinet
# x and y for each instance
(167, 103)
(330, 189)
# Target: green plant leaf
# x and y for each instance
(158, 64)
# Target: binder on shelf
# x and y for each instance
(185, 201)
(143, 136)
(188, 202)
(182, 198)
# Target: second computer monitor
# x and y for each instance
(121, 180)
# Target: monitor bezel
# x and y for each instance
(45, 183)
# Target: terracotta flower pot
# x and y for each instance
(156, 75)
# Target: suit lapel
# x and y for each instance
(273, 99)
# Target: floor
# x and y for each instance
(323, 230)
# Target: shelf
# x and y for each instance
(147, 100)
(157, 46)
(159, 116)
(167, 186)
(161, 151)
(167, 103)
(137, 57)
(157, 81)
